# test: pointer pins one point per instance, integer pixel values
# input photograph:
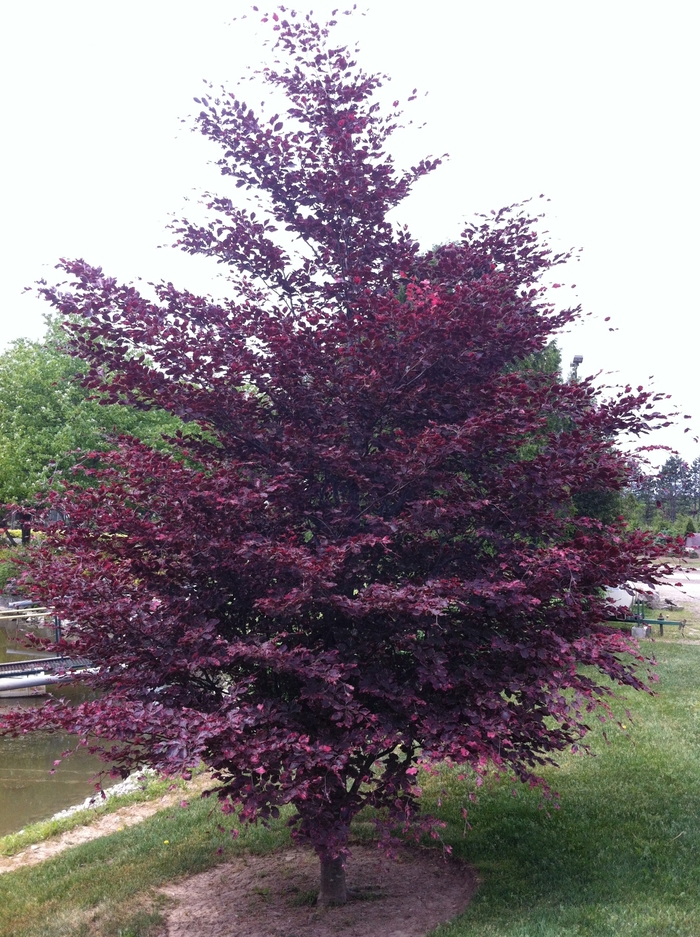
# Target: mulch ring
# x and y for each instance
(274, 896)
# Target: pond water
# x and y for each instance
(28, 790)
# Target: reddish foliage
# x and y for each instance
(373, 555)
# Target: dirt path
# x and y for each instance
(102, 826)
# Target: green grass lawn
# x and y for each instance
(622, 854)
(620, 857)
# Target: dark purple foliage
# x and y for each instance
(371, 555)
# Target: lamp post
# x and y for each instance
(574, 366)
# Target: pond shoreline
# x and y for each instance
(102, 824)
(32, 787)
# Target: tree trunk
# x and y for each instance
(333, 887)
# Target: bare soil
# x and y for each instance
(274, 895)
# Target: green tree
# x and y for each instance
(546, 361)
(673, 487)
(49, 422)
(694, 486)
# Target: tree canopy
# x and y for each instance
(49, 423)
(373, 557)
(668, 499)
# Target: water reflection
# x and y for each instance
(28, 790)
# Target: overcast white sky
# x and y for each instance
(594, 104)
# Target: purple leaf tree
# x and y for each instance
(369, 552)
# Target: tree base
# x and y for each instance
(334, 890)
